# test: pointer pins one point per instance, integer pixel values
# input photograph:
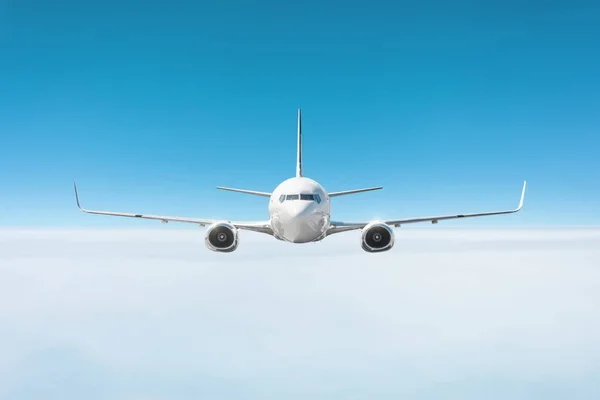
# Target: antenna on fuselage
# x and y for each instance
(299, 155)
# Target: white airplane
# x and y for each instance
(299, 212)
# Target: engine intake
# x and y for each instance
(377, 237)
(221, 237)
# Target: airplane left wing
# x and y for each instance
(337, 227)
(256, 226)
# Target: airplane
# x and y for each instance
(300, 212)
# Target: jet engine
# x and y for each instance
(377, 237)
(221, 237)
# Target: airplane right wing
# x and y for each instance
(256, 226)
(337, 227)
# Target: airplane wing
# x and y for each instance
(337, 227)
(256, 226)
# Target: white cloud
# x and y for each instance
(448, 313)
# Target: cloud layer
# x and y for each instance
(448, 313)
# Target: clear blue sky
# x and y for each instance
(150, 105)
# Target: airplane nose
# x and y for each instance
(300, 209)
(299, 222)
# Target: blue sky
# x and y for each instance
(448, 105)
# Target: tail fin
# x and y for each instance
(299, 155)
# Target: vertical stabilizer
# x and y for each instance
(299, 156)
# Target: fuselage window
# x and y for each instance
(292, 197)
(282, 198)
(317, 198)
(306, 197)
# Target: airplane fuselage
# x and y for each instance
(299, 211)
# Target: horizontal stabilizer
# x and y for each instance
(253, 192)
(334, 194)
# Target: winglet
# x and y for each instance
(77, 196)
(522, 196)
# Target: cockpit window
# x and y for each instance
(304, 196)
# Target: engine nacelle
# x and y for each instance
(221, 237)
(377, 237)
